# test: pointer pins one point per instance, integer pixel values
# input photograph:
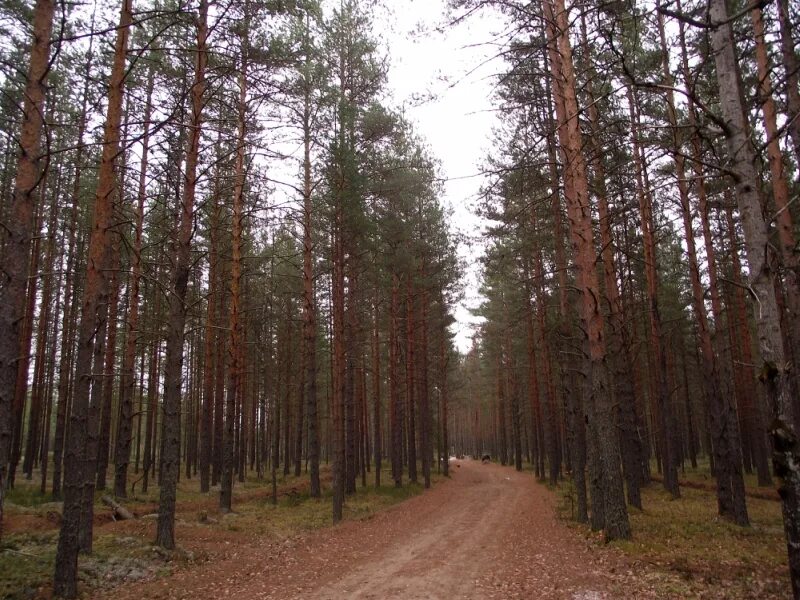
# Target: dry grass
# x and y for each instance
(123, 551)
(683, 549)
(711, 557)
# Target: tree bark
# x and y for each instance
(376, 393)
(620, 360)
(759, 425)
(600, 408)
(122, 448)
(395, 412)
(774, 373)
(667, 441)
(95, 298)
(791, 65)
(309, 305)
(235, 323)
(19, 227)
(179, 281)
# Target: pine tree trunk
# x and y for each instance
(122, 448)
(95, 299)
(19, 225)
(210, 400)
(65, 374)
(50, 387)
(774, 374)
(153, 377)
(23, 370)
(444, 395)
(395, 412)
(43, 330)
(339, 368)
(309, 305)
(667, 437)
(780, 194)
(759, 425)
(235, 323)
(411, 395)
(600, 408)
(620, 360)
(791, 66)
(424, 400)
(219, 379)
(376, 393)
(104, 441)
(179, 281)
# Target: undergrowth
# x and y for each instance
(691, 552)
(124, 552)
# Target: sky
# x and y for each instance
(444, 80)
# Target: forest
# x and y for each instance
(233, 281)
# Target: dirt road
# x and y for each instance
(490, 532)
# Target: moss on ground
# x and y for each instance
(27, 555)
(691, 552)
(710, 554)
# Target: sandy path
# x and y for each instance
(490, 532)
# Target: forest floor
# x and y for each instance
(487, 532)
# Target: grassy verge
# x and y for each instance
(123, 551)
(688, 551)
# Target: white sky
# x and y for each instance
(456, 69)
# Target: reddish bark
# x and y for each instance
(95, 298)
(179, 280)
(599, 405)
(19, 227)
(122, 449)
(774, 373)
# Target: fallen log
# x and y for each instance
(120, 512)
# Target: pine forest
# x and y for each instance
(399, 299)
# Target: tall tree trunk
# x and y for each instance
(23, 367)
(726, 441)
(620, 360)
(667, 434)
(600, 408)
(219, 379)
(444, 393)
(19, 225)
(759, 425)
(549, 402)
(774, 373)
(309, 306)
(42, 335)
(210, 400)
(50, 387)
(395, 412)
(122, 448)
(410, 382)
(533, 388)
(236, 332)
(95, 298)
(424, 400)
(780, 195)
(104, 440)
(791, 65)
(65, 374)
(350, 394)
(376, 393)
(179, 281)
(337, 404)
(153, 377)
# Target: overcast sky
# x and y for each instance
(455, 71)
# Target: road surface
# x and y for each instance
(489, 532)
